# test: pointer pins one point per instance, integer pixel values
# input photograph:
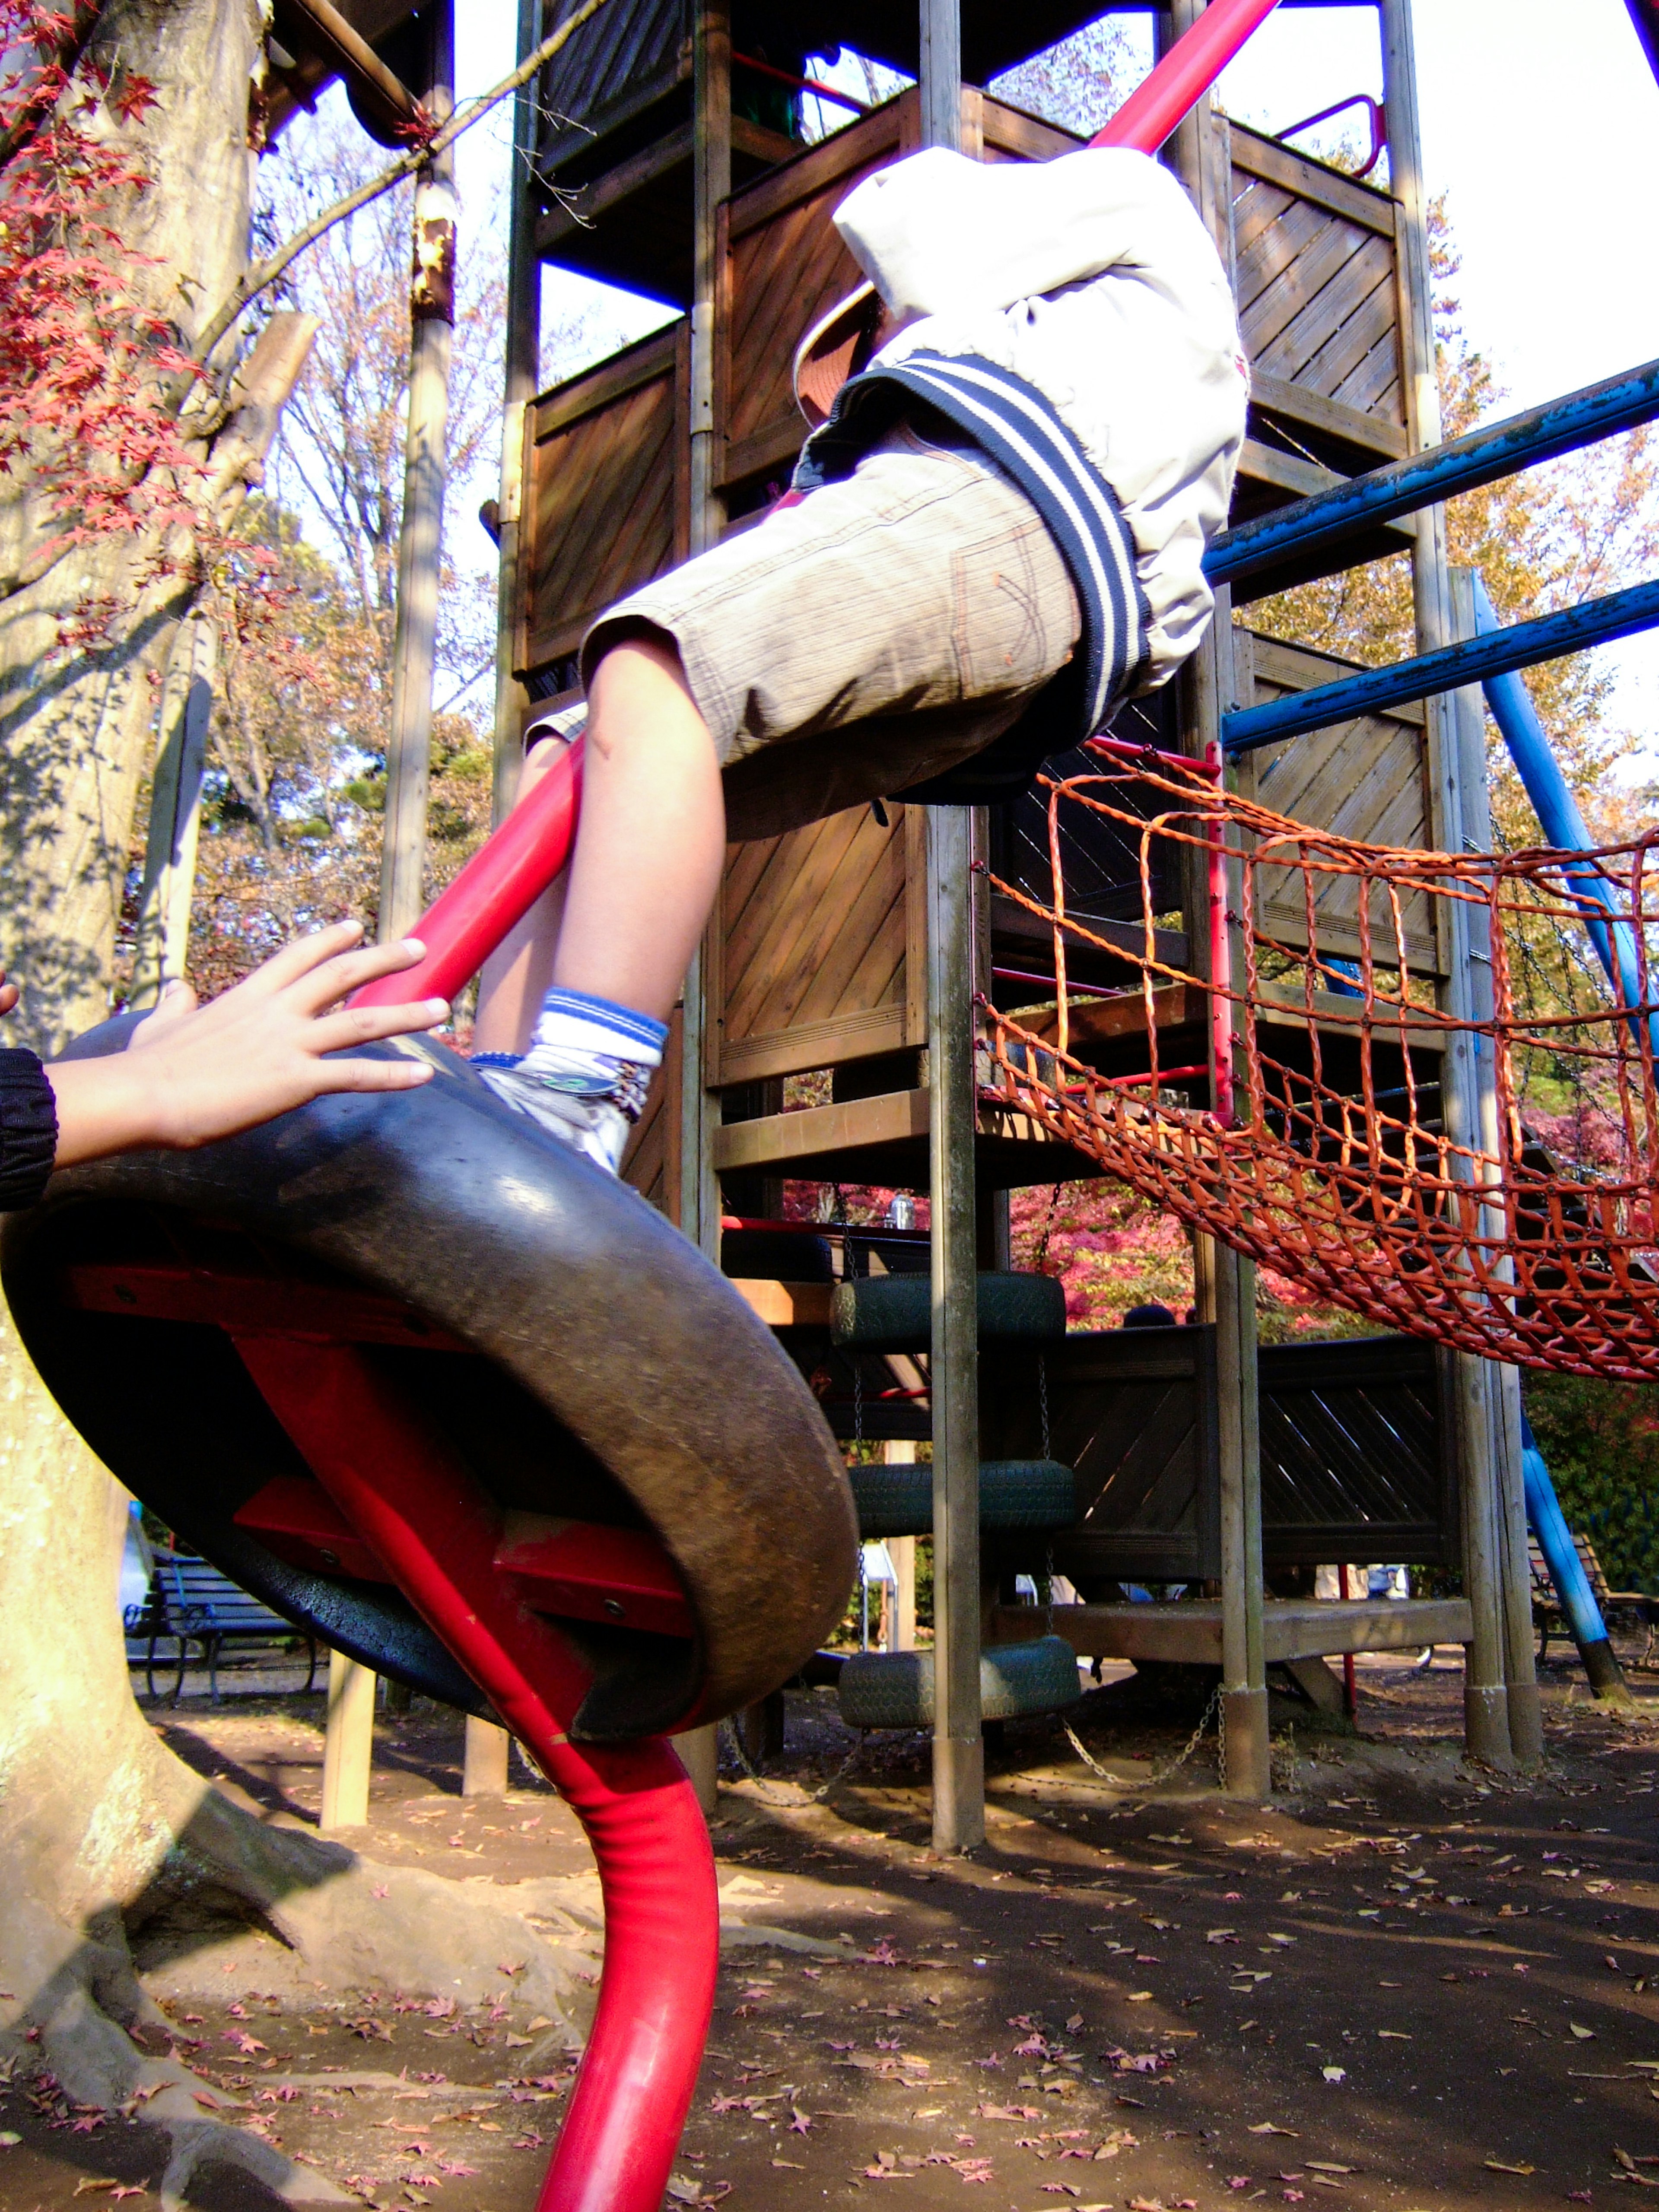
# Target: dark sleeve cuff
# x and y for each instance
(29, 1128)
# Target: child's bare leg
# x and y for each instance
(578, 1056)
(653, 834)
(518, 972)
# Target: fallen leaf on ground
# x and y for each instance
(1269, 2128)
(1326, 2166)
(1334, 2073)
(1501, 2166)
(1584, 2035)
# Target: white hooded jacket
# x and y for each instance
(1092, 277)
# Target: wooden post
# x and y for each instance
(711, 155)
(347, 1744)
(958, 1746)
(1471, 1111)
(523, 316)
(1224, 1282)
(432, 304)
(483, 1758)
(958, 1741)
(1526, 1712)
(162, 936)
(902, 1552)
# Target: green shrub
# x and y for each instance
(1601, 1442)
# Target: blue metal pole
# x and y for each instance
(1560, 426)
(1583, 1614)
(1558, 813)
(1471, 660)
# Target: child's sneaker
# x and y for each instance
(588, 1100)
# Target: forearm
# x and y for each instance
(111, 1104)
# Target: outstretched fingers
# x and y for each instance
(302, 955)
(377, 1074)
(330, 981)
(369, 1024)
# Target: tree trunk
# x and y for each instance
(100, 1827)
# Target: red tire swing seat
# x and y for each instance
(443, 1394)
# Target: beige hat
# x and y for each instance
(836, 347)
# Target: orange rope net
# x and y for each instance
(1483, 1176)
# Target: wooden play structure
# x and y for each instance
(823, 1036)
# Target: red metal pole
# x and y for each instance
(436, 1534)
(1184, 76)
(494, 891)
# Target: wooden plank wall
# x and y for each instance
(605, 492)
(1317, 279)
(1368, 779)
(820, 954)
(1357, 1453)
(1131, 1411)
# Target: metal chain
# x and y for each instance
(1162, 1774)
(815, 1797)
(1042, 1397)
(1039, 1264)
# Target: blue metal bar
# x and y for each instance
(1472, 660)
(1560, 426)
(1583, 1614)
(1563, 825)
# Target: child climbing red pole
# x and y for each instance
(500, 884)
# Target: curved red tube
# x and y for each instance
(1184, 76)
(496, 888)
(436, 1533)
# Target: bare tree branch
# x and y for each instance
(259, 278)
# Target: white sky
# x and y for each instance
(1539, 122)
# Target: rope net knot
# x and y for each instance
(1402, 1079)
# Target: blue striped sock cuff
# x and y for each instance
(578, 1020)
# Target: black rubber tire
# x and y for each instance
(606, 1372)
(895, 1689)
(1013, 1494)
(895, 1313)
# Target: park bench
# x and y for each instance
(188, 1602)
(1547, 1615)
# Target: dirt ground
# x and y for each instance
(1406, 1985)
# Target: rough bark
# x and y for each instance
(75, 724)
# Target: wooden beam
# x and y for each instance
(1292, 1628)
(786, 1305)
(484, 1758)
(776, 1139)
(1374, 433)
(958, 1742)
(347, 1744)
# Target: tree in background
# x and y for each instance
(296, 790)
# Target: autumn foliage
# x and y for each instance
(92, 371)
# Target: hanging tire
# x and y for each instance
(1013, 1494)
(895, 1689)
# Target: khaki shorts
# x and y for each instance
(887, 627)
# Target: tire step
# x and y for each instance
(895, 1313)
(895, 1689)
(1013, 1494)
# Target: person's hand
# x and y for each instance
(193, 1074)
(8, 994)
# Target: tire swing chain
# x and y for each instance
(1160, 1775)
